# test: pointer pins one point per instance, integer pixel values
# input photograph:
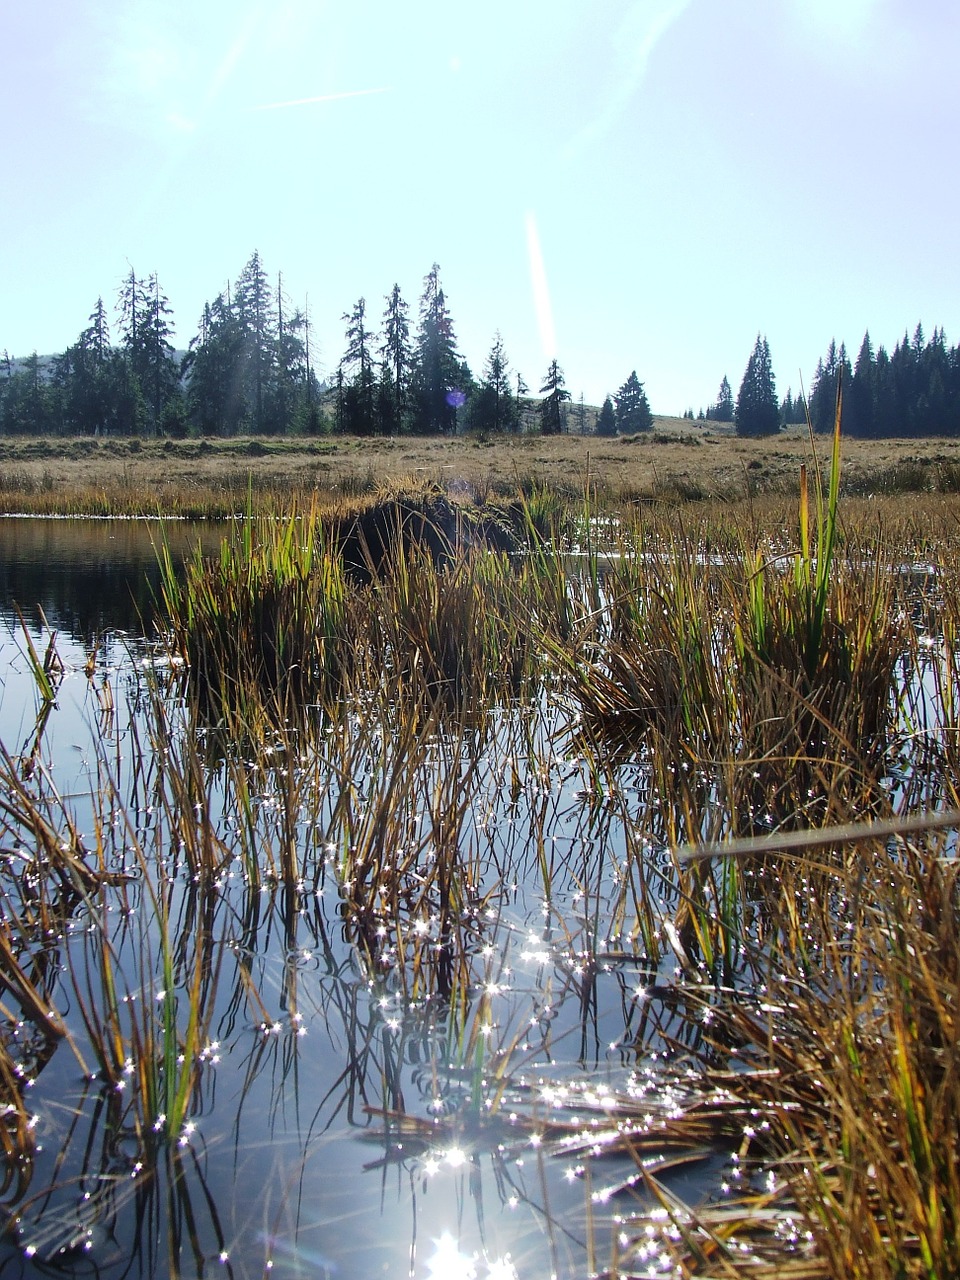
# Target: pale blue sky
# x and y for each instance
(620, 183)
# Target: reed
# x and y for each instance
(772, 682)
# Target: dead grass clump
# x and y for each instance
(375, 535)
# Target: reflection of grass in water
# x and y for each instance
(703, 691)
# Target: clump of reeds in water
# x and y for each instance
(767, 674)
(296, 610)
(265, 622)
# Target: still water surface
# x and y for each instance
(285, 1167)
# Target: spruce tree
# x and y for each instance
(521, 401)
(859, 415)
(255, 311)
(441, 380)
(723, 410)
(551, 408)
(27, 399)
(145, 332)
(491, 406)
(632, 408)
(581, 415)
(296, 392)
(757, 412)
(397, 357)
(606, 419)
(358, 409)
(823, 393)
(96, 390)
(216, 402)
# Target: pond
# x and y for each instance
(348, 1120)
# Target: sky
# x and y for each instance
(618, 184)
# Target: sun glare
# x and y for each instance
(448, 1263)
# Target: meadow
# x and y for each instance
(678, 460)
(600, 813)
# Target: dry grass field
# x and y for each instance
(678, 460)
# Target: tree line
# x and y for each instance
(249, 370)
(915, 391)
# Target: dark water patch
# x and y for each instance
(89, 575)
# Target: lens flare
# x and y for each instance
(541, 292)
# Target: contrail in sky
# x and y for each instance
(645, 23)
(323, 97)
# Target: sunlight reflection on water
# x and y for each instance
(279, 1121)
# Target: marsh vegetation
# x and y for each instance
(565, 886)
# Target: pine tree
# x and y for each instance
(859, 415)
(27, 399)
(551, 408)
(632, 408)
(96, 337)
(216, 402)
(297, 392)
(255, 313)
(248, 368)
(933, 380)
(606, 419)
(823, 393)
(581, 415)
(145, 331)
(904, 386)
(758, 412)
(133, 301)
(522, 392)
(358, 410)
(96, 391)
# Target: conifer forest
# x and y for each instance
(251, 368)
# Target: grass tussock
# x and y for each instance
(766, 671)
(264, 622)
